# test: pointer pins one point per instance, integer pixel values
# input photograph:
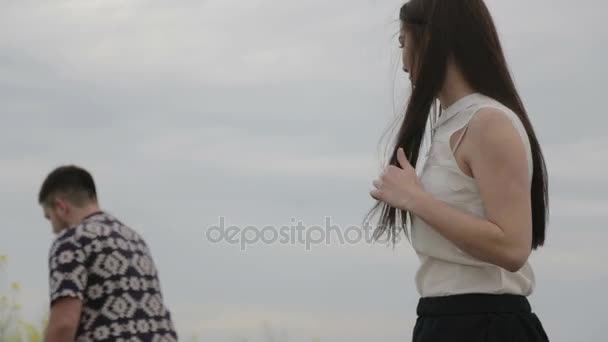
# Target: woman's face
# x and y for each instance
(406, 47)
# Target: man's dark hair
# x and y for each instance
(75, 184)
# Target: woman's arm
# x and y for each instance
(496, 155)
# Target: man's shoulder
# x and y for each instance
(101, 226)
(63, 240)
(96, 233)
(90, 229)
(105, 228)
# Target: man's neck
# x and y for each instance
(83, 213)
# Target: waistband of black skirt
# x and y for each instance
(469, 304)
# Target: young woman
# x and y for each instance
(478, 205)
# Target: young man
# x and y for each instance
(103, 282)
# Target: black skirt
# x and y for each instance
(477, 318)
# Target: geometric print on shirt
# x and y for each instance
(108, 266)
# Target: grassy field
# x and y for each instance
(13, 328)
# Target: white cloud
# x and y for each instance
(211, 42)
(261, 110)
(334, 326)
(584, 160)
(574, 206)
(259, 157)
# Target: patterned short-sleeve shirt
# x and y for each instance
(109, 267)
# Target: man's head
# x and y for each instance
(67, 196)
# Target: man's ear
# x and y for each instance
(61, 206)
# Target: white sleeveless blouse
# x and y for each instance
(445, 269)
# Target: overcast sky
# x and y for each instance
(262, 111)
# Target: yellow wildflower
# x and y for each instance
(15, 286)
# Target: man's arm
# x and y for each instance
(68, 279)
(64, 320)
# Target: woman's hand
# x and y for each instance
(399, 187)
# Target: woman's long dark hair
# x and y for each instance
(464, 30)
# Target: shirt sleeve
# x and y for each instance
(68, 272)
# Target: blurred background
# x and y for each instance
(266, 111)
